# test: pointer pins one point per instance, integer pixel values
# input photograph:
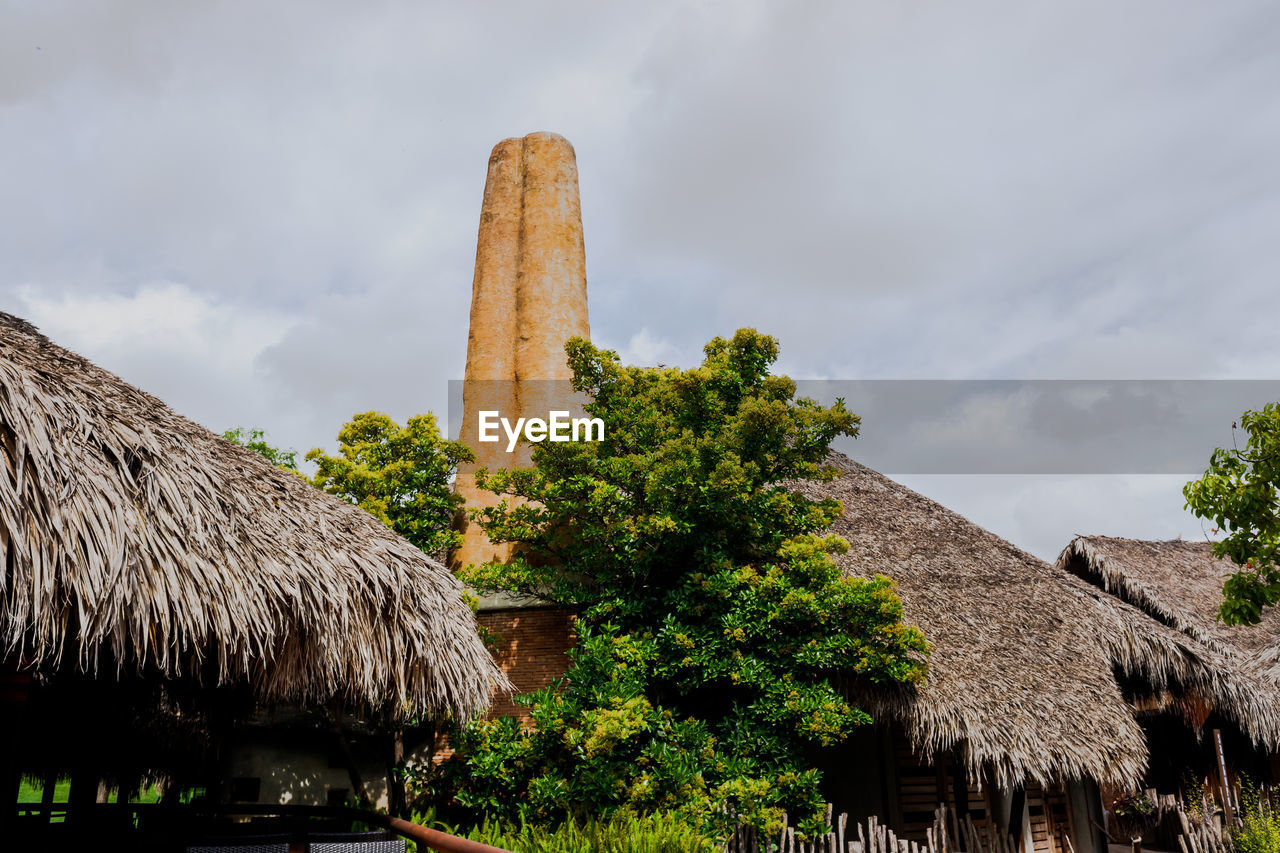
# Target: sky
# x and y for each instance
(266, 214)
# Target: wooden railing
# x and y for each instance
(434, 839)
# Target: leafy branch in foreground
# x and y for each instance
(1240, 494)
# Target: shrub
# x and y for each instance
(623, 833)
(1259, 833)
(715, 629)
(1259, 829)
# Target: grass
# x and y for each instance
(28, 793)
(32, 793)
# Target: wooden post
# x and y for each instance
(893, 793)
(1228, 816)
(1050, 826)
(353, 769)
(14, 688)
(959, 786)
(1017, 806)
(83, 796)
(397, 801)
(941, 761)
(46, 795)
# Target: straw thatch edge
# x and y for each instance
(1031, 666)
(132, 535)
(1222, 668)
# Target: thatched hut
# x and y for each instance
(1040, 682)
(138, 548)
(1036, 676)
(1178, 584)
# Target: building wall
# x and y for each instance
(531, 646)
(302, 766)
(266, 773)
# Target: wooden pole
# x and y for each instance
(353, 769)
(1228, 815)
(46, 795)
(14, 688)
(397, 800)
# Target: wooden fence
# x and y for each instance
(1220, 813)
(1200, 837)
(947, 835)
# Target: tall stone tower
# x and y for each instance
(529, 296)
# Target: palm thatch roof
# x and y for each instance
(131, 537)
(1180, 584)
(1027, 661)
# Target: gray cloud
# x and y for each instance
(990, 190)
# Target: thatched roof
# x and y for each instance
(1026, 659)
(132, 537)
(1180, 584)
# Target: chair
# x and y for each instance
(355, 842)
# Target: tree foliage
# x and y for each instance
(714, 628)
(398, 474)
(255, 440)
(1240, 494)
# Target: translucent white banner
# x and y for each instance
(1014, 426)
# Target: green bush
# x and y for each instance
(1260, 833)
(716, 631)
(623, 833)
(1259, 830)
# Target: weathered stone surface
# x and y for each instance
(551, 282)
(529, 296)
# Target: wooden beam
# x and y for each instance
(1227, 813)
(1017, 807)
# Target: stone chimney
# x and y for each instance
(529, 296)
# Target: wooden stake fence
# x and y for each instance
(1214, 833)
(947, 835)
(1204, 838)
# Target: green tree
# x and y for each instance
(1240, 494)
(398, 474)
(255, 440)
(715, 629)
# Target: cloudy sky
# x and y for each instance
(265, 214)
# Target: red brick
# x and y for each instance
(530, 646)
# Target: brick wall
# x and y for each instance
(531, 649)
